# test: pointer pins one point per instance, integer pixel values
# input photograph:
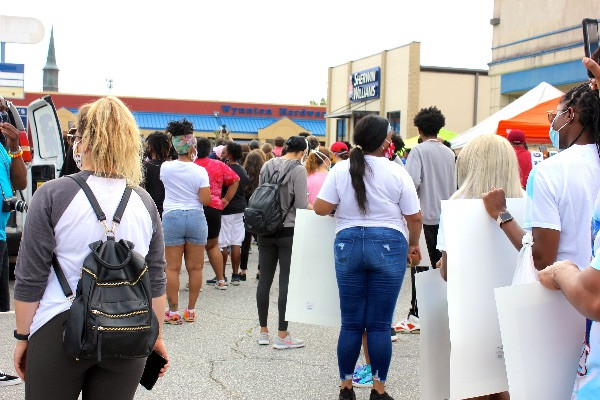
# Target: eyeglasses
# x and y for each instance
(72, 137)
(553, 114)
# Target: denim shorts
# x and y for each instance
(184, 226)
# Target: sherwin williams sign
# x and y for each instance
(364, 85)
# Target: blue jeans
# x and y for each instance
(369, 266)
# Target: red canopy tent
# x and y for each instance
(533, 122)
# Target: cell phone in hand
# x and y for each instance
(590, 38)
(154, 364)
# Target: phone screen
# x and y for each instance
(592, 35)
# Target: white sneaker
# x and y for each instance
(8, 380)
(287, 343)
(409, 325)
(263, 338)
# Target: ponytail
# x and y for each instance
(357, 172)
(369, 134)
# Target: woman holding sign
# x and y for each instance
(373, 198)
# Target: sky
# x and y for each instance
(258, 51)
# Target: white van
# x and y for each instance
(47, 151)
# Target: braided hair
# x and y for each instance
(587, 103)
(369, 134)
(161, 145)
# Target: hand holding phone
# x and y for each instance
(154, 364)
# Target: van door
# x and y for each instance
(47, 153)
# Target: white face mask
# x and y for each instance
(194, 155)
(76, 154)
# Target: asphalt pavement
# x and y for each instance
(217, 357)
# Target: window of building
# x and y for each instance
(394, 118)
(340, 131)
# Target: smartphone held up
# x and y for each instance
(590, 39)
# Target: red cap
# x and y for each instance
(339, 148)
(516, 136)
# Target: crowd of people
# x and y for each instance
(380, 195)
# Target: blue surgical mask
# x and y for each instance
(554, 134)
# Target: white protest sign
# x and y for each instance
(542, 336)
(434, 350)
(425, 261)
(480, 259)
(312, 292)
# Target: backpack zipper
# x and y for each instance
(124, 315)
(121, 328)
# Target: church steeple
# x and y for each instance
(51, 70)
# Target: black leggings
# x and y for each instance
(271, 250)
(246, 250)
(52, 374)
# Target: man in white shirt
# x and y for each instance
(431, 167)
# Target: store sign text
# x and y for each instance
(364, 85)
(267, 112)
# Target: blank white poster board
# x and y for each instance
(542, 336)
(480, 259)
(425, 261)
(434, 351)
(313, 296)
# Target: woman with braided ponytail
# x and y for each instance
(373, 196)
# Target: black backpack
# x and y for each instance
(111, 315)
(264, 215)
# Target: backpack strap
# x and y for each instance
(94, 202)
(90, 195)
(62, 279)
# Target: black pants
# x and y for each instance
(270, 251)
(430, 232)
(4, 295)
(51, 374)
(246, 250)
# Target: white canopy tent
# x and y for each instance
(539, 94)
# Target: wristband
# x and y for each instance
(18, 154)
(20, 336)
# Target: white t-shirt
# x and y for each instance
(390, 195)
(561, 192)
(61, 220)
(182, 182)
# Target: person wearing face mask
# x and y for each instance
(318, 163)
(372, 198)
(187, 190)
(70, 165)
(562, 189)
(277, 248)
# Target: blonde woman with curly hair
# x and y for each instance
(317, 165)
(61, 221)
(486, 161)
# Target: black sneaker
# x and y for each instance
(235, 280)
(213, 281)
(376, 396)
(394, 335)
(347, 394)
(242, 277)
(7, 380)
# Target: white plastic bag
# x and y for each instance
(525, 271)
